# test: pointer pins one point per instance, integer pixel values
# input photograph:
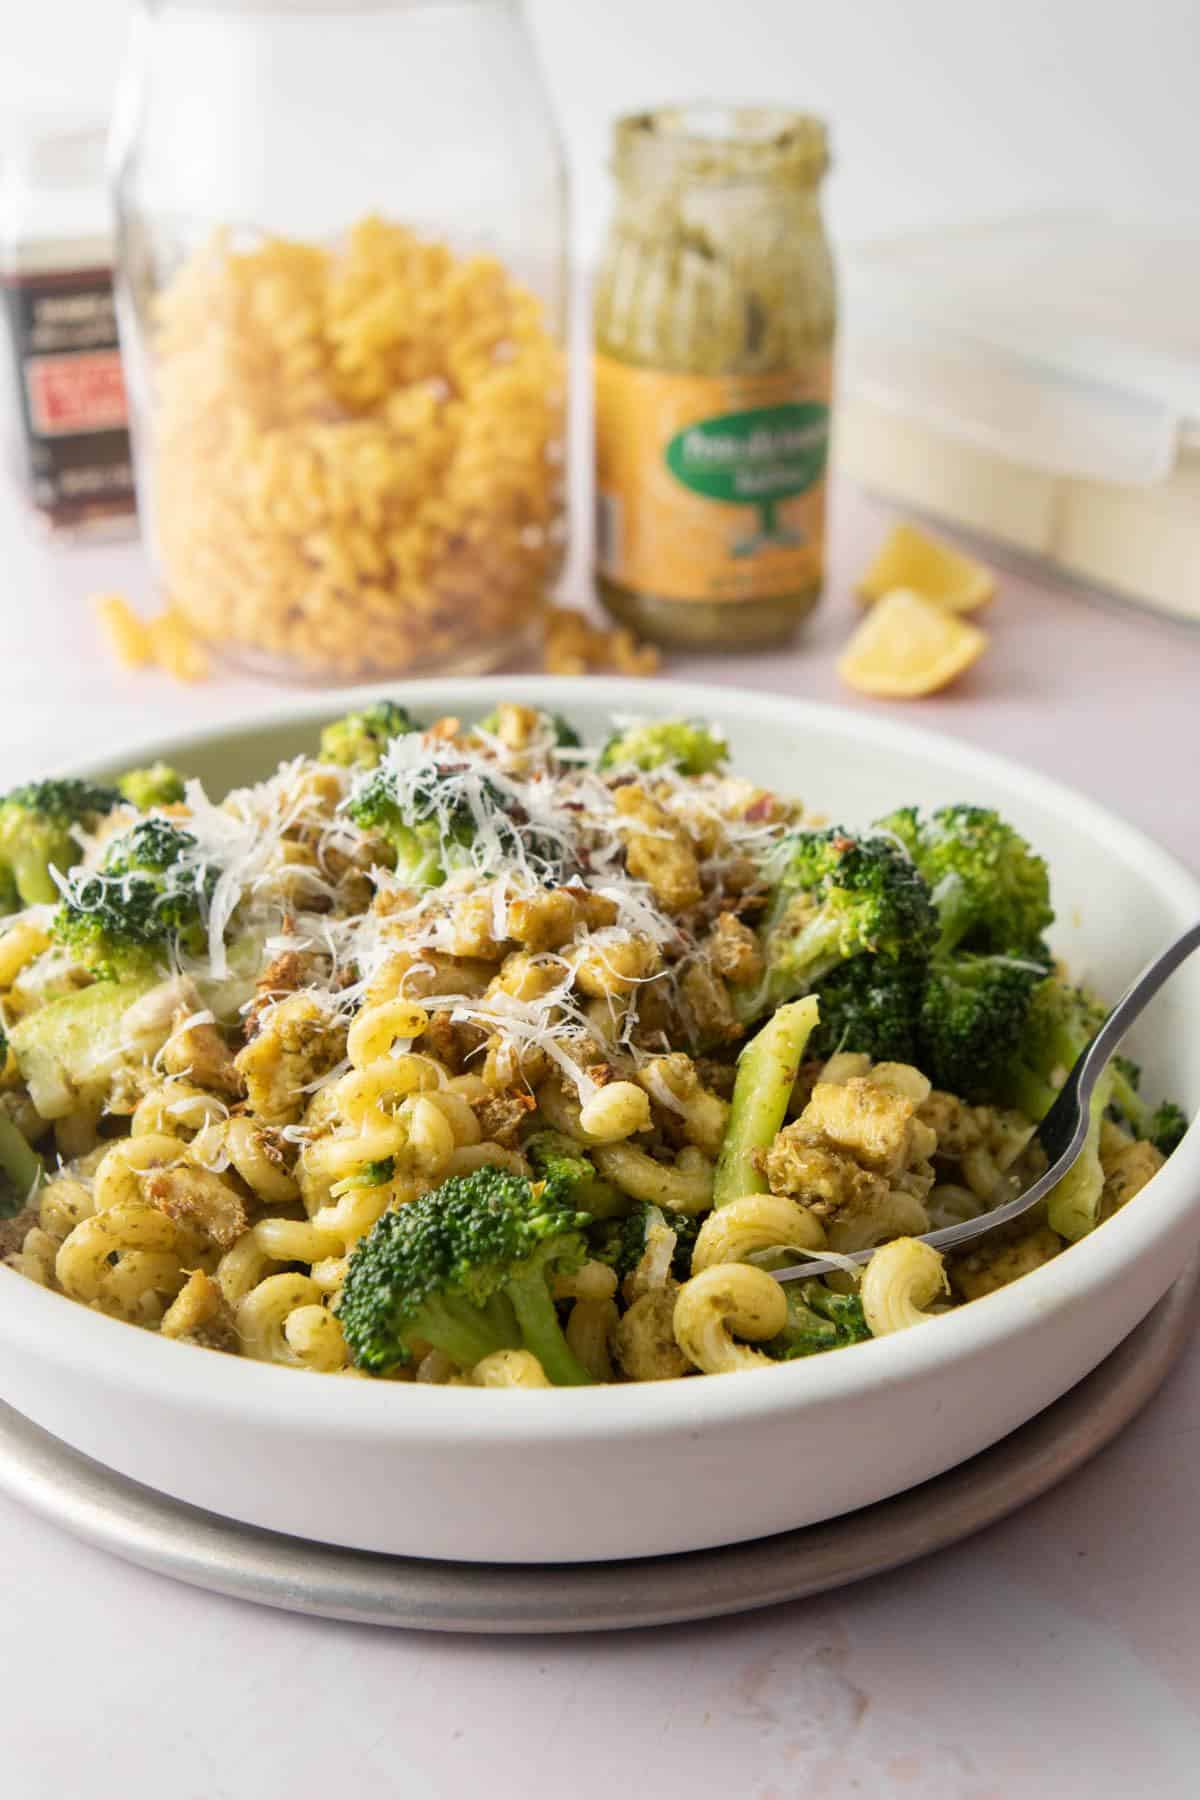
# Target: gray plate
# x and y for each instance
(174, 1539)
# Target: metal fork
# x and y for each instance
(1063, 1131)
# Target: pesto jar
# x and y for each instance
(714, 330)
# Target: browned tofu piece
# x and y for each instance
(201, 1198)
(706, 1006)
(658, 850)
(801, 1163)
(644, 1338)
(871, 1122)
(734, 950)
(299, 1041)
(983, 1271)
(1127, 1171)
(199, 1314)
(543, 921)
(200, 1052)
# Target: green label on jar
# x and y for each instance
(753, 458)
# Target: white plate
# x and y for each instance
(120, 1516)
(641, 1470)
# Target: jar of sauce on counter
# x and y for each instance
(714, 331)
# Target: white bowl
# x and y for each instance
(579, 1475)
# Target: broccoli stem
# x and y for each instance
(31, 870)
(952, 903)
(1032, 1094)
(541, 1331)
(1028, 1092)
(22, 1168)
(418, 857)
(806, 961)
(818, 1320)
(813, 953)
(806, 1333)
(1144, 1120)
(1073, 1206)
(468, 1333)
(602, 1199)
(766, 1074)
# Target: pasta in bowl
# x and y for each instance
(454, 1052)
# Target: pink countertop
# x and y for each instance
(1055, 1654)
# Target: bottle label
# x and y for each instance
(711, 487)
(72, 397)
(79, 392)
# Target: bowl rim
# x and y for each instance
(65, 1334)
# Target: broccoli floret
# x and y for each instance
(466, 1268)
(972, 1018)
(428, 831)
(1162, 1125)
(991, 896)
(570, 1175)
(38, 826)
(684, 744)
(67, 1051)
(871, 1005)
(1165, 1127)
(818, 1319)
(834, 897)
(148, 898)
(565, 735)
(158, 785)
(1061, 1022)
(431, 825)
(905, 825)
(360, 739)
(991, 890)
(621, 1243)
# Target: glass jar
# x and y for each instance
(714, 329)
(71, 436)
(341, 233)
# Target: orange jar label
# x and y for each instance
(711, 487)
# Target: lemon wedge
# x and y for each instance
(911, 559)
(908, 646)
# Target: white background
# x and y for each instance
(941, 109)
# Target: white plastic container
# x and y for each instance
(1036, 381)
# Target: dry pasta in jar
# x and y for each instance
(355, 452)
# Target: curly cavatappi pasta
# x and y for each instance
(357, 451)
(900, 1284)
(460, 1054)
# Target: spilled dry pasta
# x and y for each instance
(462, 1053)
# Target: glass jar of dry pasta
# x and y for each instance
(341, 229)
